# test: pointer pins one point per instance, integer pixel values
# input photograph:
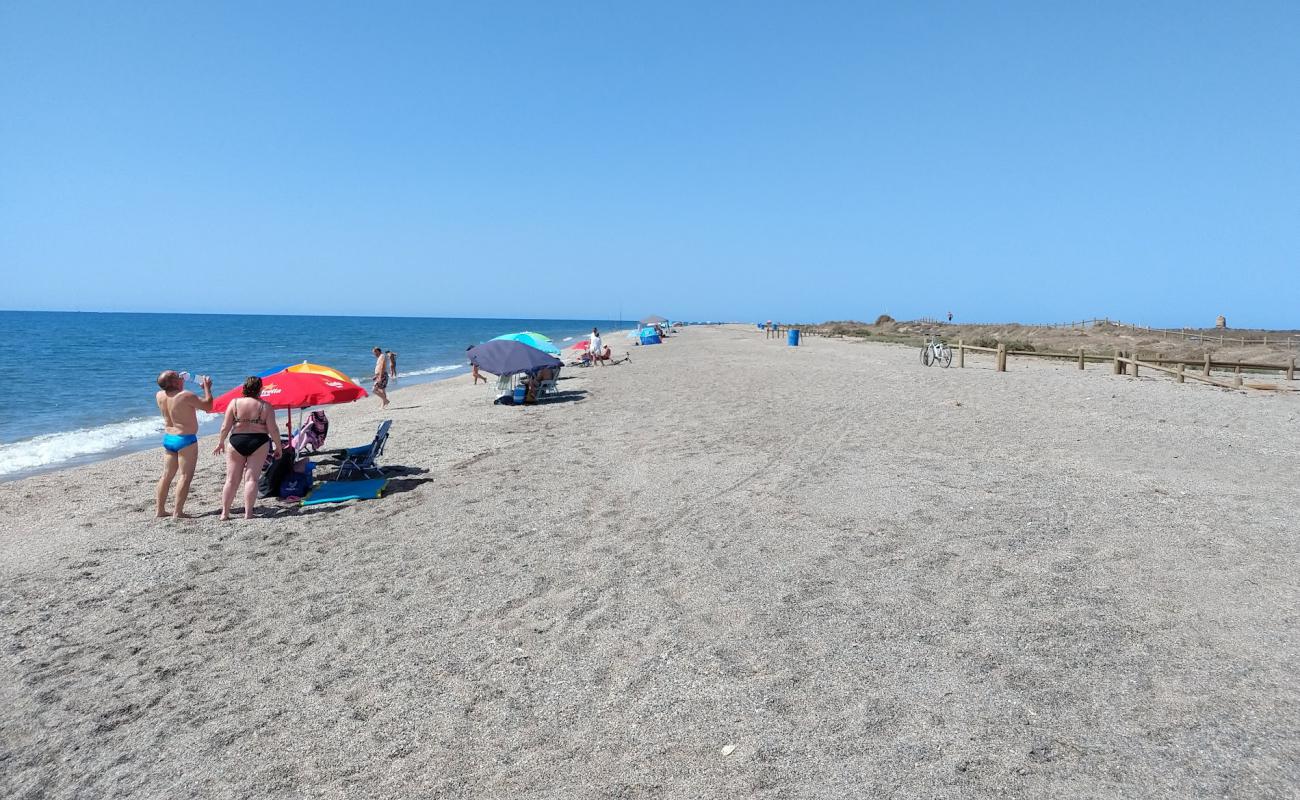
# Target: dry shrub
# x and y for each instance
(1012, 344)
(844, 328)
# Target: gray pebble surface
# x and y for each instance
(729, 568)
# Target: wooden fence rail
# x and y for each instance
(1218, 336)
(1122, 362)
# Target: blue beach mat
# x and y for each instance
(339, 491)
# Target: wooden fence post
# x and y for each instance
(1118, 366)
(1290, 369)
(1207, 365)
(1180, 372)
(1134, 356)
(1080, 358)
(961, 354)
(1002, 357)
(1236, 376)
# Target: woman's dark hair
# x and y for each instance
(252, 386)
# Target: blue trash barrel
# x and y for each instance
(520, 393)
(792, 336)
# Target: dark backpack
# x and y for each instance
(274, 473)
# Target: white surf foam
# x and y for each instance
(432, 370)
(51, 449)
(84, 444)
(69, 447)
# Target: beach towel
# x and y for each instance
(339, 491)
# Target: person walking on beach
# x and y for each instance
(594, 346)
(179, 408)
(473, 371)
(250, 425)
(392, 364)
(381, 376)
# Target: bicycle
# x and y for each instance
(936, 351)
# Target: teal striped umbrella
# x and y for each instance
(532, 340)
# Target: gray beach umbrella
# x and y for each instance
(506, 357)
(653, 320)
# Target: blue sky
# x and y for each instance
(802, 161)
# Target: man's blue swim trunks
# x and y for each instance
(175, 442)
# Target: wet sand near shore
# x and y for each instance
(729, 568)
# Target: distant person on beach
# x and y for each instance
(473, 370)
(381, 377)
(607, 357)
(250, 425)
(392, 364)
(950, 316)
(593, 346)
(179, 408)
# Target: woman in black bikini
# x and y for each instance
(250, 424)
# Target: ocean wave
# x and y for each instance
(432, 370)
(54, 448)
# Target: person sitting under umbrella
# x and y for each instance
(534, 384)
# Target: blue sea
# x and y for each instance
(76, 387)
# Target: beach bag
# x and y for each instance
(274, 473)
(295, 484)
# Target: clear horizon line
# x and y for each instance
(266, 314)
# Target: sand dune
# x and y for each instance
(729, 568)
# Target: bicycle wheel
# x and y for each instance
(945, 355)
(926, 356)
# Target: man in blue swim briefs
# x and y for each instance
(179, 408)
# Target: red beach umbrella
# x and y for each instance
(297, 390)
(291, 390)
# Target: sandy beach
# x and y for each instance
(729, 568)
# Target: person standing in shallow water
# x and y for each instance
(381, 376)
(179, 409)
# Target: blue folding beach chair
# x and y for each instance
(363, 459)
